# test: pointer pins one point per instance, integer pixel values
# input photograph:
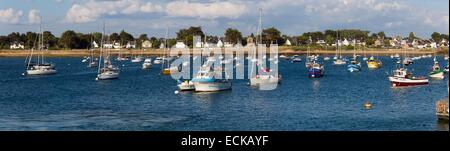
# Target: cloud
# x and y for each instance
(209, 10)
(33, 17)
(10, 16)
(92, 10)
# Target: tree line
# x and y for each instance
(75, 40)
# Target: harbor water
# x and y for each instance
(144, 100)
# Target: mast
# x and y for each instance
(165, 48)
(101, 48)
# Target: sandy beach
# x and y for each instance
(282, 50)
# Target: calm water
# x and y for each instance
(145, 100)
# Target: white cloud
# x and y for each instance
(92, 10)
(211, 10)
(10, 16)
(33, 17)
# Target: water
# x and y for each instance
(144, 100)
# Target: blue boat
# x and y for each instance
(315, 71)
(354, 66)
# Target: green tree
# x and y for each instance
(381, 35)
(233, 35)
(329, 39)
(114, 37)
(436, 37)
(187, 35)
(68, 40)
(50, 40)
(97, 37)
(155, 42)
(271, 35)
(412, 36)
(125, 37)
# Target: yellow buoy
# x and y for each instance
(367, 105)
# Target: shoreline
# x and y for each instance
(285, 51)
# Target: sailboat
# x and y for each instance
(315, 69)
(108, 70)
(120, 57)
(137, 58)
(338, 60)
(40, 67)
(92, 61)
(354, 66)
(263, 77)
(436, 71)
(166, 68)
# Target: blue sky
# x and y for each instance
(291, 17)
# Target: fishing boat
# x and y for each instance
(354, 66)
(401, 77)
(205, 81)
(264, 77)
(147, 64)
(186, 85)
(315, 70)
(373, 63)
(436, 72)
(107, 70)
(40, 67)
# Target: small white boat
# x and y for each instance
(339, 62)
(92, 64)
(108, 73)
(205, 81)
(283, 57)
(186, 86)
(147, 64)
(84, 60)
(158, 60)
(41, 69)
(326, 58)
(137, 59)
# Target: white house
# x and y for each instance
(219, 44)
(320, 42)
(146, 44)
(345, 42)
(433, 45)
(16, 46)
(116, 45)
(288, 42)
(108, 46)
(228, 45)
(130, 45)
(180, 45)
(199, 44)
(94, 44)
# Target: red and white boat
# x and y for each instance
(402, 77)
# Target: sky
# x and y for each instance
(291, 17)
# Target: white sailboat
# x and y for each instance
(40, 67)
(137, 58)
(263, 77)
(108, 70)
(338, 58)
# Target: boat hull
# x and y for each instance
(211, 87)
(264, 80)
(146, 66)
(373, 65)
(315, 73)
(437, 75)
(403, 82)
(41, 72)
(107, 76)
(186, 86)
